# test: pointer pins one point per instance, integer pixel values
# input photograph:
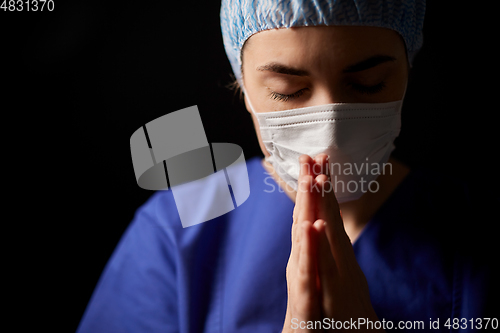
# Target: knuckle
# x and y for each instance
(328, 303)
(302, 273)
(304, 305)
(303, 281)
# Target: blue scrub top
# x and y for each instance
(228, 274)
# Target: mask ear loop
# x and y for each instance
(406, 89)
(268, 159)
(248, 101)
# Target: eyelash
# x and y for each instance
(360, 88)
(368, 90)
(285, 98)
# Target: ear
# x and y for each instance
(242, 94)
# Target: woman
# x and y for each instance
(335, 233)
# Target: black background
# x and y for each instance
(78, 81)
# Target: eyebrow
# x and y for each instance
(368, 63)
(357, 67)
(282, 69)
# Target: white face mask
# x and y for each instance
(357, 137)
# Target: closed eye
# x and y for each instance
(368, 90)
(285, 98)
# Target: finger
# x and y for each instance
(327, 205)
(291, 270)
(303, 209)
(296, 244)
(307, 256)
(305, 162)
(329, 211)
(321, 165)
(327, 268)
(306, 284)
(306, 200)
(306, 165)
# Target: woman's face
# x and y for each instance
(299, 67)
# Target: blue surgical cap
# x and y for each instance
(240, 19)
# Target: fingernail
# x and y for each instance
(317, 225)
(303, 168)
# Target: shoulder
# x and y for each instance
(433, 200)
(423, 239)
(189, 205)
(436, 208)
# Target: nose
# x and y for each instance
(328, 94)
